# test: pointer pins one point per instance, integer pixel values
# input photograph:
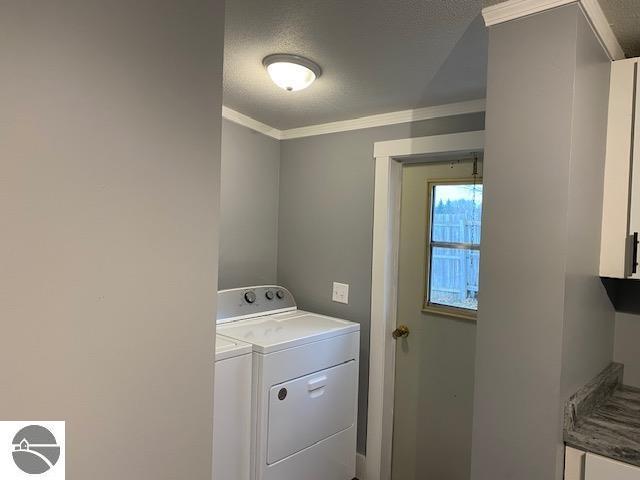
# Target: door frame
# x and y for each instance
(389, 157)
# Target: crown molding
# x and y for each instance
(602, 28)
(392, 118)
(379, 120)
(253, 124)
(514, 9)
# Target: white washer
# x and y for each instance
(232, 410)
(305, 384)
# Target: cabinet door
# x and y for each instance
(574, 464)
(634, 217)
(615, 252)
(600, 468)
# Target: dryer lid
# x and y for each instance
(271, 333)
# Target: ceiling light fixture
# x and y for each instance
(291, 72)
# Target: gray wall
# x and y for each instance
(326, 220)
(248, 207)
(533, 288)
(626, 349)
(110, 158)
(588, 312)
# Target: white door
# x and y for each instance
(434, 378)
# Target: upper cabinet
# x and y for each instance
(621, 202)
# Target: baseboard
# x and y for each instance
(360, 466)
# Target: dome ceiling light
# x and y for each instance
(291, 72)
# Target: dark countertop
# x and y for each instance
(604, 418)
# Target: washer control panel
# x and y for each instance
(248, 302)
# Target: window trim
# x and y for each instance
(427, 306)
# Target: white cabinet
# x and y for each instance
(600, 468)
(580, 465)
(574, 464)
(621, 202)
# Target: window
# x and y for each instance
(453, 247)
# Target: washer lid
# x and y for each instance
(285, 330)
(229, 347)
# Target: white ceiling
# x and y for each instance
(377, 56)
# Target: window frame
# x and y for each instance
(427, 305)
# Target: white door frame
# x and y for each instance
(389, 157)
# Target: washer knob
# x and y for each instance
(250, 297)
(270, 295)
(280, 294)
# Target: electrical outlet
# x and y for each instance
(340, 292)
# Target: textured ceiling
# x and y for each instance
(624, 18)
(377, 56)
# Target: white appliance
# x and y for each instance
(305, 384)
(232, 410)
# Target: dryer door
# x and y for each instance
(309, 409)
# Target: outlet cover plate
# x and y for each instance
(340, 292)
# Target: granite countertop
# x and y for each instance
(604, 418)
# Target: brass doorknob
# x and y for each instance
(401, 331)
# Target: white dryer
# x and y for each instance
(305, 384)
(232, 410)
